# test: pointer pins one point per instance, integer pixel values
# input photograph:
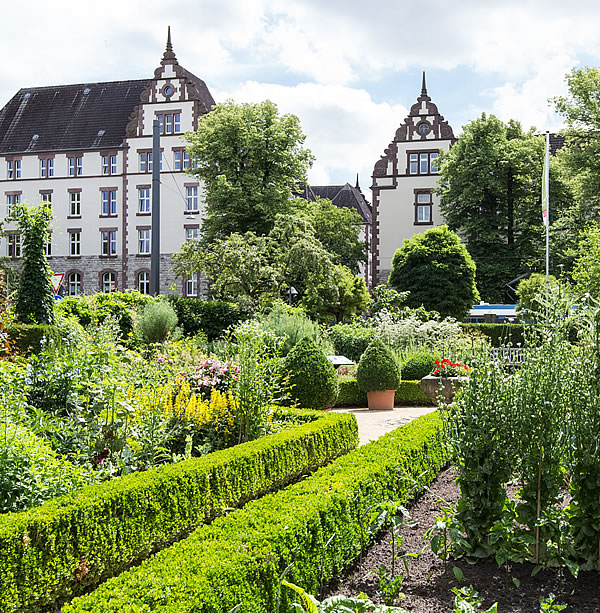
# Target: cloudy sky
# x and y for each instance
(349, 69)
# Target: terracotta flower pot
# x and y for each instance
(381, 400)
(441, 388)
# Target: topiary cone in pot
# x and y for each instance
(378, 374)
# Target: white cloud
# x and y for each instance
(346, 130)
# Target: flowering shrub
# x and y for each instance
(447, 368)
(211, 374)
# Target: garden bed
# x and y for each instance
(429, 584)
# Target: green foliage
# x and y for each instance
(290, 324)
(150, 510)
(586, 267)
(385, 298)
(418, 365)
(378, 369)
(351, 340)
(156, 322)
(311, 376)
(467, 600)
(31, 337)
(249, 159)
(31, 472)
(437, 270)
(490, 186)
(499, 334)
(35, 297)
(256, 543)
(408, 394)
(76, 306)
(530, 290)
(338, 296)
(212, 317)
(337, 229)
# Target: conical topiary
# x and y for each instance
(377, 369)
(312, 379)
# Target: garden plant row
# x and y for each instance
(73, 542)
(316, 527)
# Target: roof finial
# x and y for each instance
(423, 86)
(169, 54)
(357, 185)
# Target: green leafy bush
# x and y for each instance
(211, 317)
(500, 334)
(78, 307)
(418, 365)
(103, 529)
(240, 557)
(311, 376)
(350, 340)
(31, 472)
(156, 322)
(377, 369)
(290, 324)
(29, 338)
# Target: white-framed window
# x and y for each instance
(75, 166)
(109, 203)
(169, 123)
(74, 204)
(75, 243)
(423, 206)
(192, 198)
(109, 242)
(46, 197)
(46, 167)
(109, 164)
(13, 169)
(11, 200)
(143, 282)
(145, 161)
(423, 163)
(191, 234)
(144, 241)
(143, 199)
(191, 286)
(14, 245)
(178, 156)
(109, 282)
(49, 246)
(74, 284)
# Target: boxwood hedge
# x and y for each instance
(408, 394)
(313, 525)
(71, 543)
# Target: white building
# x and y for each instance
(403, 183)
(87, 149)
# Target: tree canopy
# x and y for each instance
(249, 159)
(437, 270)
(490, 187)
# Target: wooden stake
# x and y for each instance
(539, 503)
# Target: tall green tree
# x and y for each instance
(490, 188)
(249, 158)
(337, 228)
(437, 270)
(586, 268)
(35, 296)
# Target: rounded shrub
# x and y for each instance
(311, 376)
(377, 369)
(417, 366)
(156, 322)
(350, 340)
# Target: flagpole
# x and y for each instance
(546, 202)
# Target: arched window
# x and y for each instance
(74, 284)
(109, 282)
(144, 282)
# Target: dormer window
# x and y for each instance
(169, 123)
(422, 162)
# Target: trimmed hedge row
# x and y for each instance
(313, 524)
(27, 338)
(499, 334)
(70, 543)
(408, 394)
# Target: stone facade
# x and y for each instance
(403, 183)
(87, 150)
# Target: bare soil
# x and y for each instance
(427, 587)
